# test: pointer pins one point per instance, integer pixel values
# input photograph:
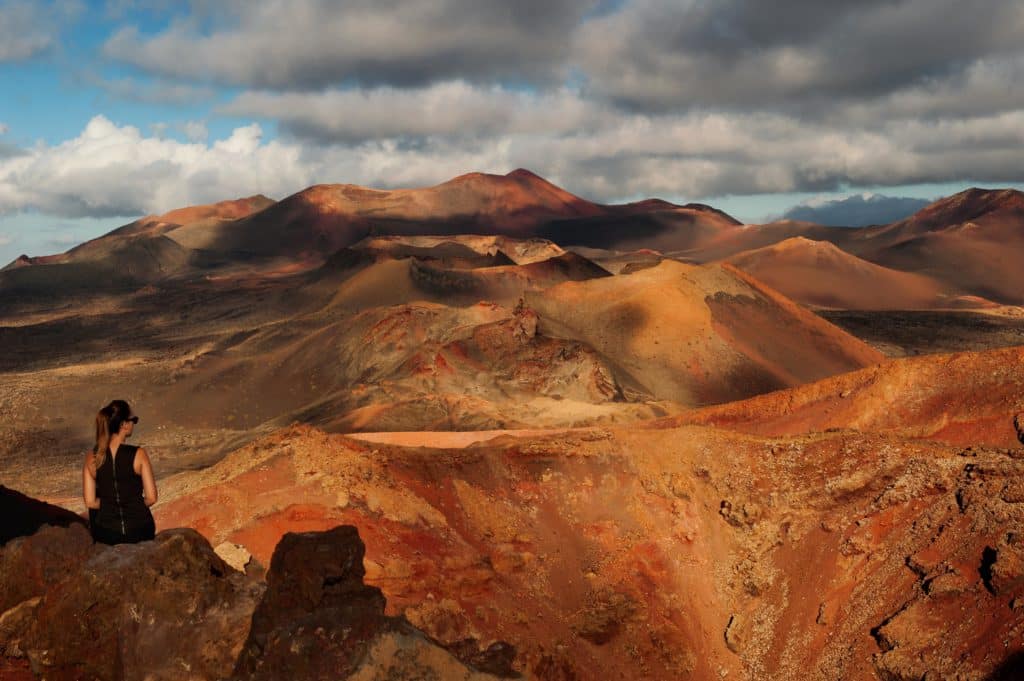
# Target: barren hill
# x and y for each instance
(960, 398)
(973, 241)
(819, 273)
(698, 334)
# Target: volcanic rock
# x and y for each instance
(30, 565)
(168, 609)
(964, 398)
(602, 553)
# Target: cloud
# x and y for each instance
(312, 44)
(3, 128)
(195, 131)
(788, 55)
(6, 239)
(25, 30)
(858, 210)
(112, 170)
(155, 91)
(453, 109)
(115, 171)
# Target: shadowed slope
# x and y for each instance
(324, 218)
(147, 250)
(643, 225)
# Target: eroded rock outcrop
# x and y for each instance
(173, 609)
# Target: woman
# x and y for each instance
(117, 480)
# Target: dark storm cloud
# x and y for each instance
(858, 210)
(793, 55)
(317, 43)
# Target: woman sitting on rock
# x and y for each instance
(117, 480)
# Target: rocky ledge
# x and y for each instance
(173, 609)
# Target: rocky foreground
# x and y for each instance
(679, 553)
(864, 526)
(172, 609)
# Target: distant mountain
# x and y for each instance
(307, 227)
(973, 241)
(990, 207)
(970, 243)
(859, 210)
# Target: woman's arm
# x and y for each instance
(89, 482)
(145, 469)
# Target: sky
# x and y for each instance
(845, 111)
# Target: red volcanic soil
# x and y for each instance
(961, 399)
(819, 273)
(663, 553)
(698, 334)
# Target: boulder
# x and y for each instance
(31, 565)
(163, 609)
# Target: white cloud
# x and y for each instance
(6, 239)
(195, 131)
(111, 170)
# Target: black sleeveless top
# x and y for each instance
(119, 489)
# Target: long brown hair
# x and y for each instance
(108, 422)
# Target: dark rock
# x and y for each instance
(168, 609)
(24, 515)
(496, 658)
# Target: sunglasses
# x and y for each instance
(133, 419)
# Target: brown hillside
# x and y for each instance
(961, 398)
(819, 273)
(699, 335)
(324, 218)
